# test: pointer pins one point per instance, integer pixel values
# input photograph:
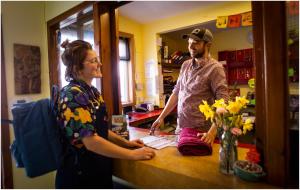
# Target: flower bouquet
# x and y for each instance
(230, 124)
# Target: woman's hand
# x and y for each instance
(210, 136)
(135, 143)
(144, 153)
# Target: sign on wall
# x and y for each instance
(234, 21)
(27, 65)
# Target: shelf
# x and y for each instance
(239, 81)
(171, 66)
(239, 65)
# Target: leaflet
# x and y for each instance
(157, 142)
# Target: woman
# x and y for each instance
(89, 145)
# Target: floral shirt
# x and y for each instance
(77, 106)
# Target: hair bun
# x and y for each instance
(65, 44)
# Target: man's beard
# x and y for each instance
(198, 55)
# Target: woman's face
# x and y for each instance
(91, 66)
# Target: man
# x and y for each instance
(200, 78)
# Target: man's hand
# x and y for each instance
(210, 136)
(135, 143)
(155, 125)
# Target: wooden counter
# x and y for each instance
(169, 169)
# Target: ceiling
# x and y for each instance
(149, 11)
(177, 34)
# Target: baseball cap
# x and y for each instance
(199, 34)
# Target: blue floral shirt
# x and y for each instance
(77, 106)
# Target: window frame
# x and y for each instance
(131, 88)
(53, 27)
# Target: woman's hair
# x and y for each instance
(73, 57)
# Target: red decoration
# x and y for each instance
(234, 21)
(253, 156)
(293, 7)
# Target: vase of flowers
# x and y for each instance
(230, 124)
(227, 152)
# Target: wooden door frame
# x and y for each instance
(53, 52)
(106, 40)
(271, 63)
(6, 164)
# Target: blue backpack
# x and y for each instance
(38, 144)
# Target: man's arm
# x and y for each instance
(220, 89)
(172, 102)
(219, 83)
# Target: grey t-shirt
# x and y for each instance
(205, 80)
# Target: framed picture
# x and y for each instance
(27, 65)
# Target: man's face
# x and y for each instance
(196, 48)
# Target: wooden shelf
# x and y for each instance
(239, 65)
(171, 66)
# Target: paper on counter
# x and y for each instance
(157, 142)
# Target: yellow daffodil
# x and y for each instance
(233, 107)
(219, 103)
(247, 126)
(206, 110)
(68, 114)
(83, 115)
(238, 121)
(242, 100)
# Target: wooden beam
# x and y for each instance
(108, 38)
(6, 166)
(53, 55)
(69, 12)
(270, 45)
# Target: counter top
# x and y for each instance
(169, 169)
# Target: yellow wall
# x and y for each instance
(183, 20)
(129, 26)
(54, 8)
(25, 23)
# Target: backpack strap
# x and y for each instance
(54, 96)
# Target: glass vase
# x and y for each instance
(228, 152)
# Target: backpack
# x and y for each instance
(38, 145)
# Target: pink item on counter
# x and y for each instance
(191, 145)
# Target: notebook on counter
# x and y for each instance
(158, 142)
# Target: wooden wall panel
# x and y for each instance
(270, 44)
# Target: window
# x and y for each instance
(76, 28)
(125, 71)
